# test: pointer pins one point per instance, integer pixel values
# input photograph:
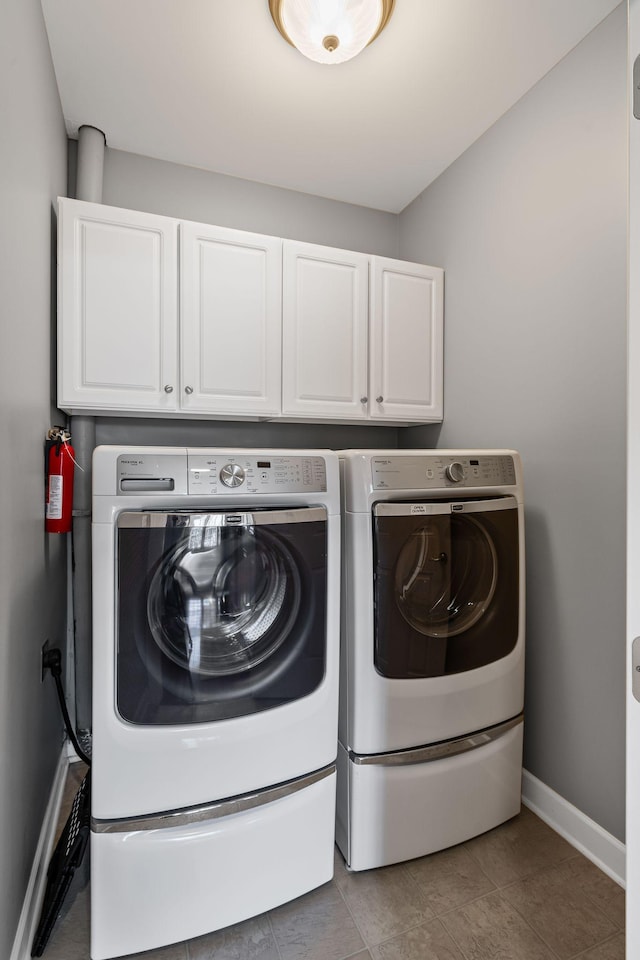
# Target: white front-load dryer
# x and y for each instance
(215, 687)
(432, 653)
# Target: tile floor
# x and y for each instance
(519, 892)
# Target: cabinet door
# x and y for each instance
(117, 309)
(406, 350)
(231, 296)
(324, 330)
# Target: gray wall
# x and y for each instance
(215, 433)
(32, 591)
(141, 183)
(530, 224)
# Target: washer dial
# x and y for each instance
(232, 475)
(455, 472)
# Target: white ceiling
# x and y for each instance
(212, 84)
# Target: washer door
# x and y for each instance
(219, 614)
(224, 600)
(446, 586)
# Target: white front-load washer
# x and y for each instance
(215, 687)
(432, 652)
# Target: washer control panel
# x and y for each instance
(209, 474)
(430, 472)
(222, 473)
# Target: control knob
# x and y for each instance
(232, 475)
(455, 472)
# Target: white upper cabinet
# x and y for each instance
(117, 308)
(406, 341)
(230, 296)
(161, 317)
(362, 336)
(324, 332)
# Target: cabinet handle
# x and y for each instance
(364, 399)
(188, 390)
(168, 388)
(379, 399)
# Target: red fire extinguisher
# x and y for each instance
(60, 460)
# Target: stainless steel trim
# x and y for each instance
(211, 811)
(438, 507)
(227, 518)
(437, 751)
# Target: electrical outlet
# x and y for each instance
(43, 668)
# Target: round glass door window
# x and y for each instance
(222, 604)
(446, 575)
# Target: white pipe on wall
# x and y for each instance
(90, 169)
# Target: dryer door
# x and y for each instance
(219, 614)
(446, 585)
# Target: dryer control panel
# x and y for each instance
(433, 472)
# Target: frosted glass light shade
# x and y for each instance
(330, 31)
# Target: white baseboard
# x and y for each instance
(602, 848)
(34, 895)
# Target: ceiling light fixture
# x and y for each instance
(330, 31)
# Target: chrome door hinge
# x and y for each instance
(636, 88)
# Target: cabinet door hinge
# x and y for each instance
(636, 88)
